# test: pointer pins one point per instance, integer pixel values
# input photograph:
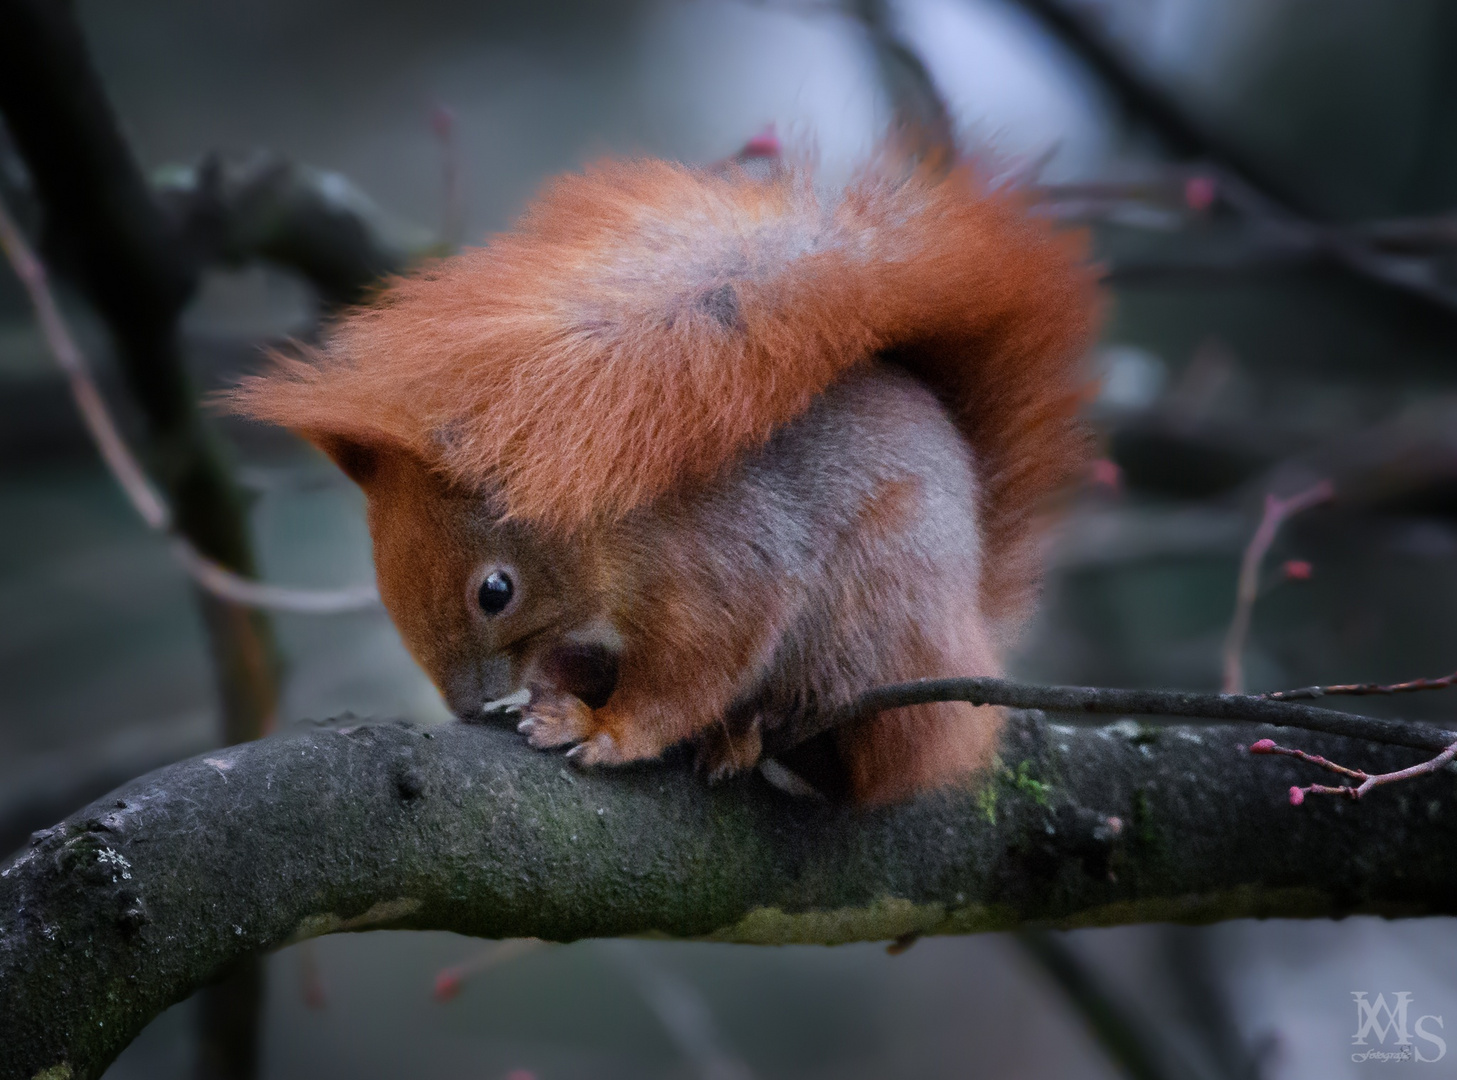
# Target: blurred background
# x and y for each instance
(1266, 183)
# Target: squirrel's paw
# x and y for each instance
(600, 749)
(552, 718)
(724, 751)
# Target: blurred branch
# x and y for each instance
(920, 111)
(174, 877)
(1282, 227)
(128, 473)
(452, 189)
(1125, 1037)
(1403, 463)
(1149, 103)
(450, 980)
(106, 229)
(315, 224)
(684, 1015)
(109, 233)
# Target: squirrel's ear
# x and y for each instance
(357, 457)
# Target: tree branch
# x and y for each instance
(108, 232)
(316, 224)
(135, 901)
(1107, 701)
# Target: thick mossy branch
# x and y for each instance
(132, 903)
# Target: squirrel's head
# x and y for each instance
(472, 595)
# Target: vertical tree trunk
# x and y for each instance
(107, 233)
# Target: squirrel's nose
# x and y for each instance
(471, 685)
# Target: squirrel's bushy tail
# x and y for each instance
(647, 323)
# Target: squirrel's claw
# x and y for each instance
(553, 719)
(600, 749)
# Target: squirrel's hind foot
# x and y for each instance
(725, 750)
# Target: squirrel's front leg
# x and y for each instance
(563, 684)
(553, 718)
(658, 701)
(612, 735)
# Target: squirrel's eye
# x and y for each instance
(495, 593)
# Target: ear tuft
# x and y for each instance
(358, 459)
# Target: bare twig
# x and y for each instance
(920, 109)
(449, 981)
(128, 473)
(311, 980)
(1366, 781)
(1179, 192)
(452, 190)
(683, 1013)
(1277, 510)
(1364, 689)
(1229, 708)
(921, 114)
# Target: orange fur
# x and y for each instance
(648, 324)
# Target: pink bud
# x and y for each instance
(1105, 473)
(1264, 746)
(447, 984)
(1297, 570)
(1200, 192)
(763, 145)
(1297, 796)
(442, 122)
(520, 1074)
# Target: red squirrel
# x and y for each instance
(691, 454)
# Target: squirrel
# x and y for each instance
(690, 455)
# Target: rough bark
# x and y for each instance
(132, 903)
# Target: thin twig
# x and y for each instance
(1235, 708)
(683, 1012)
(311, 980)
(921, 111)
(127, 471)
(452, 190)
(68, 357)
(449, 981)
(1277, 510)
(1364, 689)
(1366, 781)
